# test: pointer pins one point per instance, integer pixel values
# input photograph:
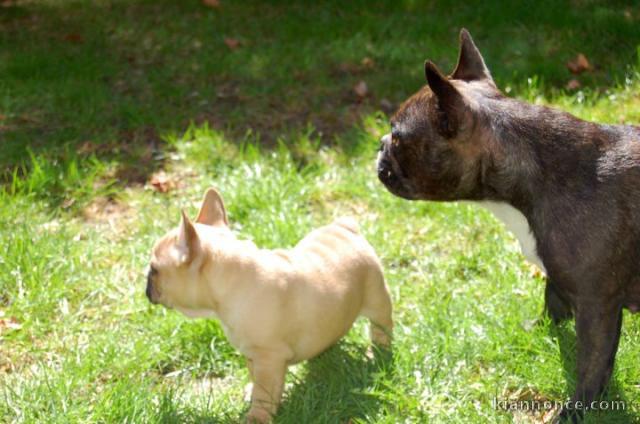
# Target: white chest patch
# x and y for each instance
(515, 222)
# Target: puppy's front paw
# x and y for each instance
(258, 416)
(380, 336)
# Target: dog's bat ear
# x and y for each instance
(470, 65)
(188, 242)
(212, 211)
(449, 98)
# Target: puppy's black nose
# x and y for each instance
(149, 290)
(149, 293)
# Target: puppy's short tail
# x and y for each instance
(349, 223)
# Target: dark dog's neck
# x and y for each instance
(535, 152)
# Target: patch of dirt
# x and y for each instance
(330, 110)
(164, 182)
(142, 152)
(529, 406)
(8, 324)
(106, 210)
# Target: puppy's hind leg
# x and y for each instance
(377, 307)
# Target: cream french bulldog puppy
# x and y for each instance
(277, 307)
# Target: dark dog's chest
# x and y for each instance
(570, 250)
(517, 223)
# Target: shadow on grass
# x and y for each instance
(109, 86)
(566, 338)
(338, 386)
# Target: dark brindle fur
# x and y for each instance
(576, 182)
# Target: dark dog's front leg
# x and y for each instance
(598, 331)
(555, 304)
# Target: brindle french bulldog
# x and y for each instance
(568, 188)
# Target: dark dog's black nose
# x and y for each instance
(385, 171)
(150, 296)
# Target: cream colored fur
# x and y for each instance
(277, 307)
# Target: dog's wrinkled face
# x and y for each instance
(174, 277)
(170, 270)
(433, 151)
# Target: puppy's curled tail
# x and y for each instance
(349, 223)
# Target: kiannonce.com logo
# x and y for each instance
(547, 405)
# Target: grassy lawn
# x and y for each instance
(116, 114)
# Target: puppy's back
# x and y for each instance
(349, 223)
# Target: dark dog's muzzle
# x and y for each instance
(390, 173)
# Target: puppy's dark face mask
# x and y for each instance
(179, 258)
(152, 291)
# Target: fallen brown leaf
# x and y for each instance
(161, 182)
(361, 89)
(628, 14)
(573, 84)
(232, 43)
(367, 63)
(579, 64)
(67, 203)
(74, 37)
(211, 3)
(87, 147)
(347, 68)
(6, 367)
(9, 324)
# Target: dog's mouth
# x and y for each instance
(391, 174)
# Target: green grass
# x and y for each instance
(95, 97)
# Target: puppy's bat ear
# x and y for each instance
(212, 211)
(188, 242)
(470, 65)
(450, 100)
